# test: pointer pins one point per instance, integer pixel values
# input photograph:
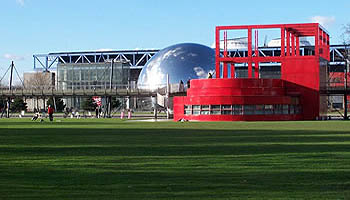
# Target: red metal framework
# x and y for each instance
(296, 96)
(290, 40)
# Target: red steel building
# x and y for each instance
(229, 97)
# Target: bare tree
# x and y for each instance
(38, 80)
(346, 34)
(346, 41)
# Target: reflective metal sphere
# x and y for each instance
(181, 61)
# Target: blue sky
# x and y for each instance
(30, 27)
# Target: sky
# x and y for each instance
(30, 27)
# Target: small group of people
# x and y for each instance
(73, 113)
(37, 114)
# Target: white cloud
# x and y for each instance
(20, 2)
(13, 57)
(192, 54)
(201, 73)
(175, 52)
(325, 21)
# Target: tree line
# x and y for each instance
(18, 104)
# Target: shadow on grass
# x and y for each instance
(168, 142)
(184, 184)
(163, 163)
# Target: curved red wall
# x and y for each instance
(234, 92)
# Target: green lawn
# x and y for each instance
(115, 159)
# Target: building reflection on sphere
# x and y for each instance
(182, 62)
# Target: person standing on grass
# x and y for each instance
(97, 111)
(50, 112)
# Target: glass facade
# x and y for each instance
(265, 71)
(277, 109)
(92, 75)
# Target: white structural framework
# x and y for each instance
(136, 58)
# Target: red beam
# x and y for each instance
(288, 43)
(298, 46)
(217, 52)
(256, 70)
(250, 69)
(269, 26)
(232, 70)
(283, 41)
(252, 59)
(256, 43)
(293, 45)
(225, 70)
(317, 40)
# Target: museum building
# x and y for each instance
(294, 96)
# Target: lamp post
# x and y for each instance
(110, 88)
(346, 84)
(10, 89)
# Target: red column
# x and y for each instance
(321, 41)
(232, 70)
(283, 32)
(256, 64)
(250, 70)
(324, 44)
(256, 70)
(293, 44)
(327, 43)
(317, 40)
(288, 43)
(256, 43)
(225, 72)
(297, 40)
(217, 52)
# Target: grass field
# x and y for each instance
(115, 159)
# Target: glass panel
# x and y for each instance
(205, 107)
(205, 112)
(260, 109)
(226, 107)
(215, 107)
(248, 109)
(277, 109)
(297, 109)
(196, 112)
(285, 109)
(196, 107)
(188, 112)
(291, 109)
(268, 109)
(237, 109)
(226, 112)
(215, 112)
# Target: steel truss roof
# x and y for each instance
(135, 58)
(138, 58)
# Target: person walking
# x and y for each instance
(50, 112)
(97, 111)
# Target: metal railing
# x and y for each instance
(119, 90)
